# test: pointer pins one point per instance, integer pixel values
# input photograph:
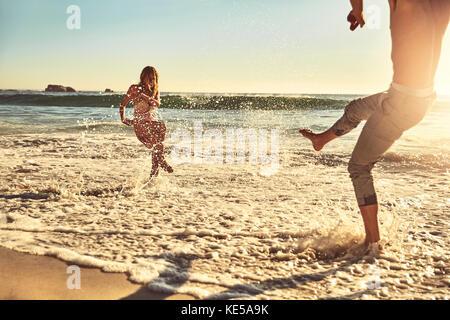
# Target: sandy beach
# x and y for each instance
(213, 231)
(29, 277)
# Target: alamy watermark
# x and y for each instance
(212, 146)
(373, 279)
(74, 280)
(373, 17)
(73, 22)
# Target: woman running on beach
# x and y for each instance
(149, 131)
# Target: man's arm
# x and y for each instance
(356, 16)
(357, 5)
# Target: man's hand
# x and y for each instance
(356, 18)
(128, 122)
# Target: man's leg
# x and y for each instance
(319, 140)
(355, 112)
(379, 133)
(369, 214)
(396, 114)
(360, 169)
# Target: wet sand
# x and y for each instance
(29, 277)
(216, 231)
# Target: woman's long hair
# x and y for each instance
(150, 73)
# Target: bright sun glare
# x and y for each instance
(443, 74)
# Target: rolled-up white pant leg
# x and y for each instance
(396, 113)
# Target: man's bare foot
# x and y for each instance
(316, 140)
(374, 248)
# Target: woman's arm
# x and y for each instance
(123, 104)
(154, 102)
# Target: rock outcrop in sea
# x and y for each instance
(58, 88)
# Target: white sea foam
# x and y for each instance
(224, 231)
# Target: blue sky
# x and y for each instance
(282, 46)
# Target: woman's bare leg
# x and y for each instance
(159, 157)
(160, 147)
(158, 160)
(155, 164)
(162, 160)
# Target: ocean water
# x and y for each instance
(26, 112)
(75, 186)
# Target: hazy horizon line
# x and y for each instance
(224, 92)
(190, 92)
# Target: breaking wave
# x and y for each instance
(202, 102)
